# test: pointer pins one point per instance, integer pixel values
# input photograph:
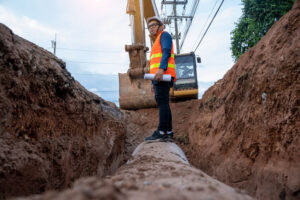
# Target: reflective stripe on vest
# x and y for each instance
(155, 58)
(156, 65)
(157, 55)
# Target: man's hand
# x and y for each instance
(159, 75)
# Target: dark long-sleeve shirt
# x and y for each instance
(166, 46)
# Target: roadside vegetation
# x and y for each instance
(257, 18)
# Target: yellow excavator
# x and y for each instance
(134, 90)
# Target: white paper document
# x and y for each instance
(166, 77)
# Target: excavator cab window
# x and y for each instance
(184, 67)
(185, 71)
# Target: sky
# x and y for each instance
(214, 49)
(91, 34)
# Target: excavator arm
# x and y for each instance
(137, 16)
(134, 91)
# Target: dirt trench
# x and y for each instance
(52, 130)
(243, 132)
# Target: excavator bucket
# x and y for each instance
(134, 90)
(135, 93)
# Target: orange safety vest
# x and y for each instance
(155, 58)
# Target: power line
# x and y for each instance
(213, 8)
(101, 63)
(175, 17)
(95, 74)
(209, 25)
(89, 50)
(195, 6)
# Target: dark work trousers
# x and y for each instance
(162, 90)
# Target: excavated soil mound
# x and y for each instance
(52, 130)
(246, 128)
(245, 131)
(155, 171)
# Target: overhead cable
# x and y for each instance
(195, 6)
(204, 25)
(209, 25)
(101, 63)
(93, 74)
(89, 50)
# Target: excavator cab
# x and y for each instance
(186, 86)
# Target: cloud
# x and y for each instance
(36, 26)
(94, 25)
(94, 22)
(7, 17)
(23, 25)
(104, 25)
(215, 47)
(26, 27)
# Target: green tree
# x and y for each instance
(258, 16)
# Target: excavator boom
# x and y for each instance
(134, 91)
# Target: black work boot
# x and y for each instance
(169, 136)
(156, 137)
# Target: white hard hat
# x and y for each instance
(154, 18)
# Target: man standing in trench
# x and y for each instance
(161, 62)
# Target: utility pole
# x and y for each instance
(174, 3)
(54, 45)
(176, 27)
